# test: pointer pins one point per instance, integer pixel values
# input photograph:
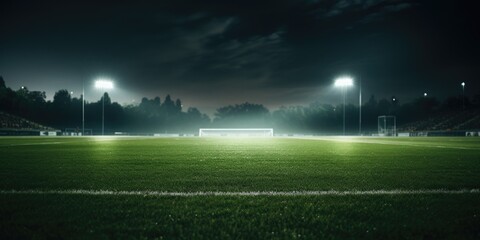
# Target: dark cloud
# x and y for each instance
(211, 53)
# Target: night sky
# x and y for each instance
(214, 53)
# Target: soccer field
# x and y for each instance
(335, 187)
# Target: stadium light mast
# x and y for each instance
(463, 95)
(360, 107)
(344, 82)
(83, 108)
(103, 84)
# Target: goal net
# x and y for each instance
(387, 126)
(235, 132)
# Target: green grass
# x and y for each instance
(202, 164)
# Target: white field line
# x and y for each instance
(30, 144)
(248, 193)
(85, 139)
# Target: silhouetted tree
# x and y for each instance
(62, 98)
(168, 105)
(2, 83)
(37, 96)
(242, 115)
(178, 105)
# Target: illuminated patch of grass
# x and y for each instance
(193, 164)
(201, 164)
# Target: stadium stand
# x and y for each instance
(462, 120)
(11, 122)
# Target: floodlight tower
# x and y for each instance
(463, 95)
(344, 82)
(83, 108)
(360, 107)
(103, 84)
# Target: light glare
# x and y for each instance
(103, 84)
(344, 82)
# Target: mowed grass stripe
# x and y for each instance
(252, 193)
(235, 165)
(421, 142)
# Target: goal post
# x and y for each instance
(387, 126)
(235, 132)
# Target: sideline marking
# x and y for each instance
(79, 139)
(30, 144)
(249, 193)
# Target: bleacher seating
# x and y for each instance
(11, 122)
(461, 120)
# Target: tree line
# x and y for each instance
(65, 111)
(168, 116)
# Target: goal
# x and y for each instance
(387, 126)
(235, 132)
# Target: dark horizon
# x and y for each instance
(213, 53)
